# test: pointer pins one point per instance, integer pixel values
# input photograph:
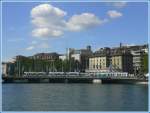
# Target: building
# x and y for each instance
(122, 62)
(138, 52)
(4, 69)
(63, 57)
(81, 56)
(121, 59)
(8, 68)
(145, 63)
(100, 60)
(98, 63)
(111, 59)
(18, 57)
(46, 56)
(138, 61)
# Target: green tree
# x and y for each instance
(25, 64)
(145, 63)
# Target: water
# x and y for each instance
(74, 97)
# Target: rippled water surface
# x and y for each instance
(74, 97)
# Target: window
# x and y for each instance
(93, 66)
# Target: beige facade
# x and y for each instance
(117, 62)
(63, 57)
(122, 62)
(97, 63)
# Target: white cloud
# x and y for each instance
(46, 32)
(129, 44)
(30, 48)
(10, 60)
(46, 10)
(48, 21)
(35, 44)
(119, 4)
(114, 14)
(83, 21)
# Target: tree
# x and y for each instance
(25, 64)
(145, 63)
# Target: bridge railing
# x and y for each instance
(110, 75)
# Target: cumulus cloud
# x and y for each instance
(114, 14)
(83, 21)
(50, 21)
(47, 10)
(30, 48)
(46, 32)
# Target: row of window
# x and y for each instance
(97, 66)
(93, 60)
(44, 57)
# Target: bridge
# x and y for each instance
(72, 79)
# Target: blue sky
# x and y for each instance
(74, 25)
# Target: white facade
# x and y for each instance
(76, 57)
(4, 69)
(97, 63)
(63, 57)
(136, 59)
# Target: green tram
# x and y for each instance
(111, 74)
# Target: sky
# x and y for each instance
(34, 27)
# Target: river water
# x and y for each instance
(74, 97)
